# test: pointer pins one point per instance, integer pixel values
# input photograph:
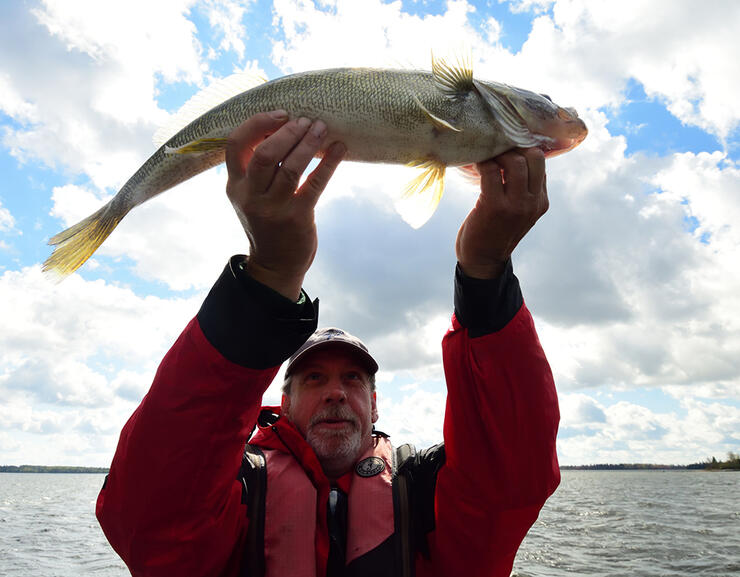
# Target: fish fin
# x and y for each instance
(470, 173)
(456, 79)
(214, 94)
(422, 194)
(514, 126)
(76, 244)
(439, 123)
(198, 146)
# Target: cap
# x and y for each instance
(333, 337)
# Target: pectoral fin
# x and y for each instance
(422, 195)
(439, 123)
(198, 146)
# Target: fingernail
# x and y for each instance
(279, 115)
(304, 122)
(318, 129)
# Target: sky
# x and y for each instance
(632, 276)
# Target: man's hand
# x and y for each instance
(277, 215)
(513, 196)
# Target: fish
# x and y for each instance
(428, 120)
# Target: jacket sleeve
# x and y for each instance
(500, 428)
(171, 503)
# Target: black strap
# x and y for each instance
(253, 476)
(405, 454)
(336, 517)
(415, 482)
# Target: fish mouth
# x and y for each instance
(574, 132)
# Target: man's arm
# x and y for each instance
(170, 504)
(501, 416)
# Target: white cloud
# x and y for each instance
(627, 432)
(7, 222)
(12, 104)
(579, 410)
(90, 102)
(679, 58)
(226, 17)
(372, 33)
(537, 6)
(64, 344)
(417, 418)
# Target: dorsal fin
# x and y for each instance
(455, 79)
(214, 94)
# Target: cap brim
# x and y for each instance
(365, 358)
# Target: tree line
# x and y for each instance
(50, 469)
(710, 464)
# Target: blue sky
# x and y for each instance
(632, 276)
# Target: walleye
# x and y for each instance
(428, 120)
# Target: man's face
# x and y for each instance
(331, 404)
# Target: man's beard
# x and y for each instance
(335, 445)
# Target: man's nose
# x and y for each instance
(334, 391)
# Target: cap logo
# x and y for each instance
(370, 467)
(331, 333)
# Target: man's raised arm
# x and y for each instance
(171, 503)
(502, 414)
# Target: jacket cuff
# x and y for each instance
(484, 306)
(252, 325)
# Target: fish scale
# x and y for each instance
(429, 120)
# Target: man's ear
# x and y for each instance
(285, 404)
(374, 407)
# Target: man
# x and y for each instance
(178, 502)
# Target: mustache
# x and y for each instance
(337, 413)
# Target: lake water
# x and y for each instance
(599, 523)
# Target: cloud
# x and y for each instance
(7, 222)
(90, 102)
(579, 410)
(372, 33)
(226, 17)
(519, 6)
(687, 67)
(417, 418)
(64, 345)
(626, 432)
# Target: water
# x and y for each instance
(599, 523)
(637, 523)
(48, 527)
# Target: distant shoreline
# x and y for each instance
(731, 464)
(50, 469)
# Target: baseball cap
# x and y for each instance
(333, 336)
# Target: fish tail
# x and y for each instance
(76, 244)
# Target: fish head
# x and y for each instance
(533, 119)
(560, 127)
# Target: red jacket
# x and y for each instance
(171, 504)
